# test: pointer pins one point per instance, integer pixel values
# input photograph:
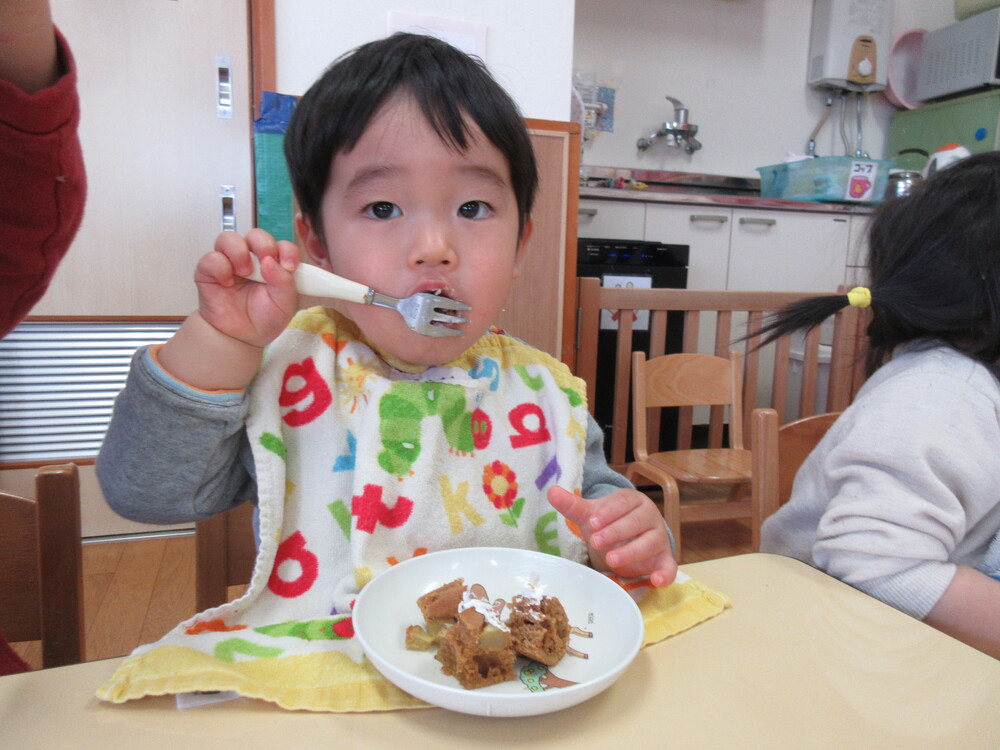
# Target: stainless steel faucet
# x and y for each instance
(678, 134)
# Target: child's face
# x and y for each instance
(404, 213)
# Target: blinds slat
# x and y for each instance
(58, 383)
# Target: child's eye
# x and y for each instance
(474, 210)
(382, 210)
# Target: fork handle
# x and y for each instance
(316, 282)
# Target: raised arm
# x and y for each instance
(28, 56)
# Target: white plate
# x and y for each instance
(593, 603)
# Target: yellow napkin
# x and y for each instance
(332, 681)
(678, 607)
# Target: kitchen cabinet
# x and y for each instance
(787, 251)
(751, 249)
(705, 229)
(612, 220)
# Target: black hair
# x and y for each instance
(447, 84)
(933, 268)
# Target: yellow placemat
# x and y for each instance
(679, 607)
(332, 681)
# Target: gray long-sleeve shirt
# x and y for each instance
(174, 455)
(904, 485)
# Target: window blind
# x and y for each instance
(58, 382)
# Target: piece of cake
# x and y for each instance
(476, 652)
(441, 604)
(539, 628)
(478, 648)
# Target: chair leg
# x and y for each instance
(212, 562)
(739, 492)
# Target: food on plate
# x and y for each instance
(418, 639)
(475, 645)
(441, 604)
(476, 652)
(539, 628)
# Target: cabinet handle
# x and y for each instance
(227, 194)
(588, 212)
(717, 218)
(224, 87)
(758, 220)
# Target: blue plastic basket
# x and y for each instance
(826, 179)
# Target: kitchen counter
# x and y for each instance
(695, 188)
(722, 198)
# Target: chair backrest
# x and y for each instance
(719, 317)
(685, 380)
(780, 452)
(225, 552)
(41, 566)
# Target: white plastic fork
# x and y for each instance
(423, 312)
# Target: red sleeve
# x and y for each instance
(42, 187)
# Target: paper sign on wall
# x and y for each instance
(640, 318)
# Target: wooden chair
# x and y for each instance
(41, 566)
(779, 453)
(674, 380)
(225, 551)
(720, 318)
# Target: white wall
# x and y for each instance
(529, 44)
(739, 66)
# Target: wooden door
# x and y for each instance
(541, 307)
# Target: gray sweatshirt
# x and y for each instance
(904, 486)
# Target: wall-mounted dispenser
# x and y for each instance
(849, 44)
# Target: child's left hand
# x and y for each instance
(625, 529)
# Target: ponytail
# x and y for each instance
(806, 314)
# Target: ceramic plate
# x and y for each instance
(607, 624)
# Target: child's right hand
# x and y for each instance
(219, 347)
(244, 310)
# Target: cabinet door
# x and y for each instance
(787, 251)
(156, 149)
(704, 230)
(611, 219)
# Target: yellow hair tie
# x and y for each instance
(859, 296)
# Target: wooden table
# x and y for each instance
(800, 661)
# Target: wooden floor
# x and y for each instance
(135, 591)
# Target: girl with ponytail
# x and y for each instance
(901, 499)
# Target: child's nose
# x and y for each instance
(432, 248)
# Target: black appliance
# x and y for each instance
(641, 264)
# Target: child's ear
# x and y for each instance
(522, 247)
(312, 242)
